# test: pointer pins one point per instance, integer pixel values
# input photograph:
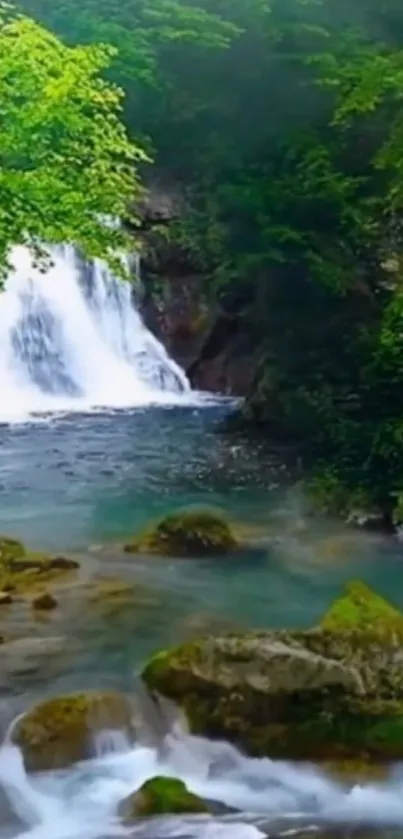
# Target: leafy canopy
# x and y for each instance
(66, 165)
(283, 121)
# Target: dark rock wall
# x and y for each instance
(204, 336)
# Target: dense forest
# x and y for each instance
(283, 119)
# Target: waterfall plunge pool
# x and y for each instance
(100, 433)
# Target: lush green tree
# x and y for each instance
(66, 165)
(283, 119)
(306, 216)
(164, 51)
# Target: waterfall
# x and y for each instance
(71, 339)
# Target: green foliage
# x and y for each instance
(163, 51)
(284, 121)
(66, 163)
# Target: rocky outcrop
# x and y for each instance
(227, 359)
(173, 301)
(202, 332)
(25, 573)
(61, 731)
(161, 796)
(330, 693)
(187, 533)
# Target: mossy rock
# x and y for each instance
(187, 533)
(30, 572)
(45, 602)
(15, 558)
(331, 693)
(10, 549)
(61, 731)
(40, 562)
(161, 796)
(360, 608)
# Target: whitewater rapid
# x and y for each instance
(71, 339)
(271, 797)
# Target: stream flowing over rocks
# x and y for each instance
(149, 568)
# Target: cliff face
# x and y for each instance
(203, 335)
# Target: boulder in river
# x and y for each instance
(10, 549)
(161, 796)
(187, 533)
(45, 602)
(60, 731)
(23, 572)
(330, 693)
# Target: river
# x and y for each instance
(78, 476)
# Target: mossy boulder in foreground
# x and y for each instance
(61, 731)
(161, 796)
(187, 533)
(330, 693)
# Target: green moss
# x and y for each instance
(227, 687)
(10, 549)
(187, 533)
(321, 726)
(161, 796)
(60, 731)
(156, 663)
(31, 560)
(362, 609)
(31, 572)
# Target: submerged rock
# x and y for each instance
(25, 662)
(112, 595)
(63, 563)
(61, 731)
(332, 692)
(41, 563)
(23, 571)
(187, 533)
(10, 549)
(161, 796)
(45, 602)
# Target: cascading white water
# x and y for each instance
(71, 339)
(270, 798)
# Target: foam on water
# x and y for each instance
(72, 340)
(82, 803)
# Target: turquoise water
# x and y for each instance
(85, 483)
(68, 482)
(82, 484)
